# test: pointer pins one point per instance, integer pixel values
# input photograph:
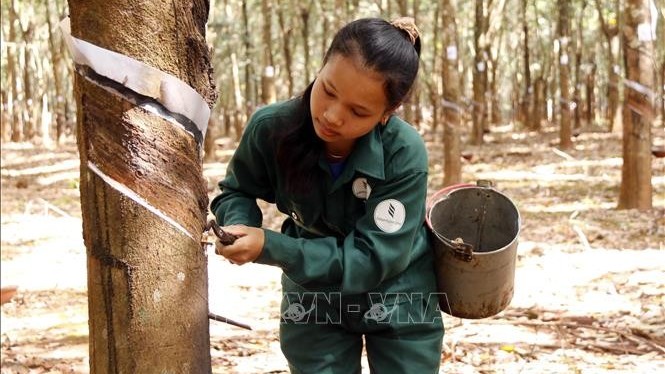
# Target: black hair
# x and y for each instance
(299, 148)
(383, 48)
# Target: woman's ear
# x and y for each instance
(388, 113)
(385, 118)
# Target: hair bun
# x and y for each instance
(407, 24)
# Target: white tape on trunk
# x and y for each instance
(176, 95)
(640, 88)
(451, 105)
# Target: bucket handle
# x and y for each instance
(461, 250)
(440, 195)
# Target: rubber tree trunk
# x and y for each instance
(30, 101)
(305, 13)
(589, 85)
(13, 72)
(479, 113)
(539, 107)
(638, 108)
(525, 106)
(143, 198)
(250, 98)
(58, 107)
(565, 126)
(268, 89)
(452, 169)
(286, 32)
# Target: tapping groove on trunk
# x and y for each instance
(143, 196)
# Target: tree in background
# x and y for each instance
(268, 90)
(481, 54)
(610, 30)
(527, 96)
(452, 167)
(263, 50)
(639, 105)
(563, 33)
(143, 198)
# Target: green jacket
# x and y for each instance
(352, 235)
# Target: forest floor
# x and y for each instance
(589, 285)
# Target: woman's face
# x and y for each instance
(347, 101)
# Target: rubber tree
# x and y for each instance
(481, 53)
(563, 33)
(143, 197)
(452, 170)
(639, 107)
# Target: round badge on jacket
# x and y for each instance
(361, 188)
(389, 215)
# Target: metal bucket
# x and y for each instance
(475, 230)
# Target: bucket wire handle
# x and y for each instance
(438, 196)
(461, 250)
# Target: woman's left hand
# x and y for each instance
(246, 248)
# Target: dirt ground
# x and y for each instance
(589, 285)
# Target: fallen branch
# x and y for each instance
(576, 325)
(563, 154)
(583, 239)
(47, 206)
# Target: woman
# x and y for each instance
(352, 178)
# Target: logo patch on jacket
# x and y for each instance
(361, 188)
(389, 215)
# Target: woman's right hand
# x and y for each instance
(246, 248)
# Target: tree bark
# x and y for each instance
(339, 12)
(268, 89)
(12, 71)
(209, 146)
(452, 166)
(402, 7)
(414, 97)
(479, 113)
(286, 31)
(30, 102)
(496, 117)
(305, 10)
(143, 197)
(266, 12)
(57, 108)
(661, 92)
(410, 104)
(638, 109)
(590, 83)
(660, 52)
(565, 129)
(610, 31)
(577, 85)
(525, 106)
(238, 112)
(326, 14)
(539, 105)
(250, 100)
(431, 80)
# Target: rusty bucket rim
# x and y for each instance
(443, 194)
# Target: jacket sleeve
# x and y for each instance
(246, 180)
(369, 254)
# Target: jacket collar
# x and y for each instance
(366, 158)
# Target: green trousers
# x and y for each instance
(324, 332)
